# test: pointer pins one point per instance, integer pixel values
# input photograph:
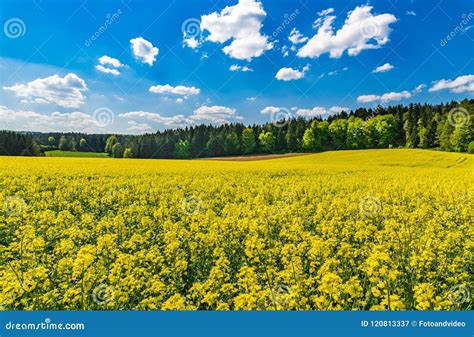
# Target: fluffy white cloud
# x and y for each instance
(338, 109)
(76, 121)
(177, 120)
(241, 24)
(390, 96)
(383, 68)
(236, 67)
(270, 110)
(178, 90)
(191, 42)
(103, 69)
(289, 74)
(64, 91)
(215, 114)
(368, 98)
(139, 127)
(361, 30)
(108, 65)
(296, 37)
(319, 111)
(110, 61)
(144, 50)
(412, 13)
(460, 84)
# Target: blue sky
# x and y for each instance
(165, 64)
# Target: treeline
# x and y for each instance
(18, 144)
(448, 127)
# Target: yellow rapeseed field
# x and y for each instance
(348, 230)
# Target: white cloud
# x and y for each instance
(361, 30)
(215, 114)
(178, 90)
(241, 24)
(368, 98)
(251, 99)
(177, 120)
(338, 109)
(179, 100)
(191, 42)
(144, 50)
(64, 91)
(296, 37)
(236, 67)
(139, 127)
(383, 68)
(270, 110)
(419, 88)
(76, 121)
(110, 61)
(318, 111)
(460, 84)
(108, 65)
(412, 13)
(289, 74)
(326, 12)
(103, 69)
(390, 96)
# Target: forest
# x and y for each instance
(447, 127)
